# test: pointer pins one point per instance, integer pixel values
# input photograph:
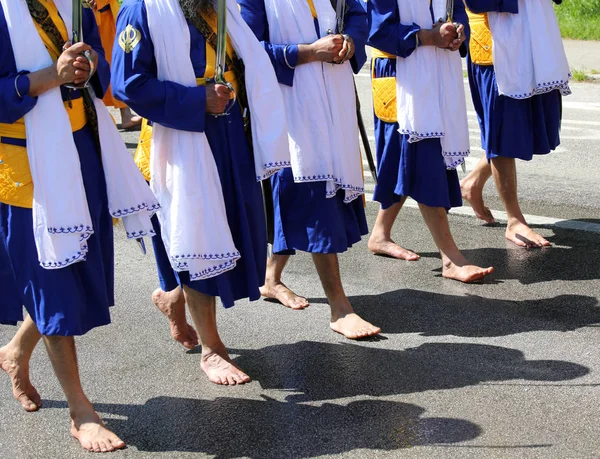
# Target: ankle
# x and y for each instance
(340, 309)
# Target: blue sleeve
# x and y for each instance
(486, 6)
(255, 15)
(12, 107)
(135, 82)
(385, 30)
(356, 25)
(101, 79)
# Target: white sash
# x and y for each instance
(61, 218)
(320, 106)
(430, 89)
(184, 175)
(529, 57)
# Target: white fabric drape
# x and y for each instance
(430, 89)
(61, 217)
(321, 105)
(184, 175)
(528, 52)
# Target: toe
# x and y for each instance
(117, 443)
(231, 380)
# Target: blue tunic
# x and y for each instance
(72, 300)
(135, 82)
(512, 128)
(304, 218)
(406, 169)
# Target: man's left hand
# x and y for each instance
(347, 50)
(456, 43)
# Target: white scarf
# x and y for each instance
(529, 57)
(61, 217)
(320, 106)
(185, 178)
(430, 89)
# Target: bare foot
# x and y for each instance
(172, 305)
(387, 247)
(474, 196)
(18, 372)
(353, 327)
(522, 235)
(94, 436)
(280, 292)
(129, 120)
(462, 270)
(220, 369)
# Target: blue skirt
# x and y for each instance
(514, 128)
(306, 220)
(415, 169)
(72, 300)
(245, 215)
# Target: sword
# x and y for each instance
(77, 17)
(365, 139)
(221, 53)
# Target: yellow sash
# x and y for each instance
(16, 186)
(378, 54)
(480, 46)
(313, 10)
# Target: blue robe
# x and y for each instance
(512, 128)
(406, 169)
(71, 300)
(135, 82)
(304, 218)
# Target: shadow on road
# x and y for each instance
(233, 427)
(435, 314)
(313, 371)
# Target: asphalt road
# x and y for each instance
(505, 369)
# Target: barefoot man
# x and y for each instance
(64, 175)
(518, 73)
(203, 169)
(317, 202)
(423, 137)
(106, 16)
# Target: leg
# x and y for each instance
(517, 231)
(343, 318)
(87, 426)
(381, 243)
(172, 305)
(472, 189)
(276, 289)
(455, 265)
(14, 360)
(128, 120)
(216, 362)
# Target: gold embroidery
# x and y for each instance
(129, 38)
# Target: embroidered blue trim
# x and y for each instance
(414, 136)
(119, 213)
(79, 256)
(205, 256)
(70, 229)
(272, 168)
(213, 271)
(545, 87)
(139, 234)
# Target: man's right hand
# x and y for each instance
(217, 98)
(72, 66)
(442, 35)
(328, 48)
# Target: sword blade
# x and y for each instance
(340, 6)
(221, 50)
(77, 20)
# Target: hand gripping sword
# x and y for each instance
(77, 37)
(221, 53)
(339, 15)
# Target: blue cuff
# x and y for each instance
(509, 6)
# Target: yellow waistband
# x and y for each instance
(476, 18)
(76, 117)
(376, 53)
